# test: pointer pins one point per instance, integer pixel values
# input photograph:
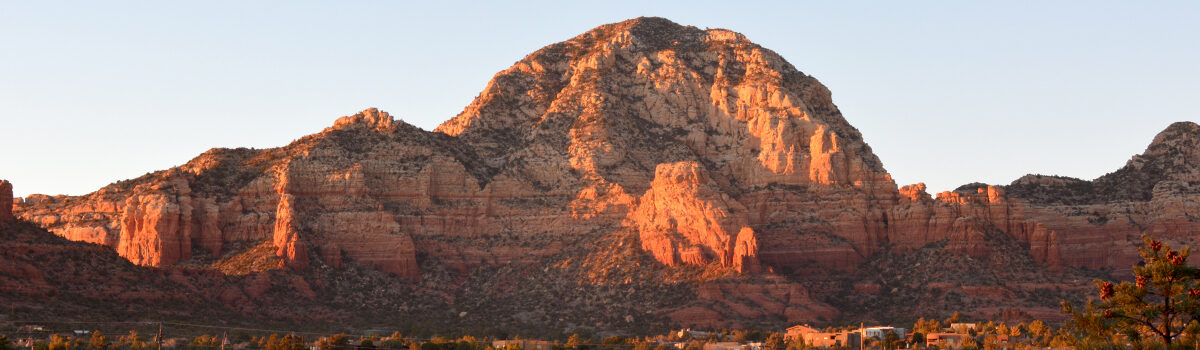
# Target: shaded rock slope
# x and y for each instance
(641, 174)
(1097, 222)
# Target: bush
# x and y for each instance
(5, 344)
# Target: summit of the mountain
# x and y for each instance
(1171, 159)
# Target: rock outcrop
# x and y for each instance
(684, 219)
(6, 201)
(965, 219)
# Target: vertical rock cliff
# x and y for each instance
(6, 201)
(683, 219)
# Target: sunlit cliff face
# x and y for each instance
(711, 94)
(597, 115)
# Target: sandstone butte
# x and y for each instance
(713, 151)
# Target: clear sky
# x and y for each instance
(945, 92)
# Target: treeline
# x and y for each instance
(988, 335)
(994, 335)
(97, 340)
(1159, 309)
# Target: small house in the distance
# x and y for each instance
(882, 332)
(798, 331)
(848, 338)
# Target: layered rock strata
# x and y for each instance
(597, 114)
(965, 219)
(1099, 223)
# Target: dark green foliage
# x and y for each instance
(5, 344)
(131, 341)
(287, 342)
(1159, 308)
(775, 341)
(204, 342)
(58, 342)
(452, 345)
(334, 342)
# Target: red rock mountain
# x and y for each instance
(728, 168)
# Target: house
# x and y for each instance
(371, 332)
(688, 332)
(951, 340)
(798, 331)
(31, 328)
(881, 332)
(833, 339)
(848, 338)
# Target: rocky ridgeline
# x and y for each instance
(717, 154)
(1099, 222)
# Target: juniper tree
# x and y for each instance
(1158, 306)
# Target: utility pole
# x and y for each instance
(159, 337)
(861, 333)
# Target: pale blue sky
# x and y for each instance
(945, 92)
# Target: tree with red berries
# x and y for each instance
(1160, 306)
